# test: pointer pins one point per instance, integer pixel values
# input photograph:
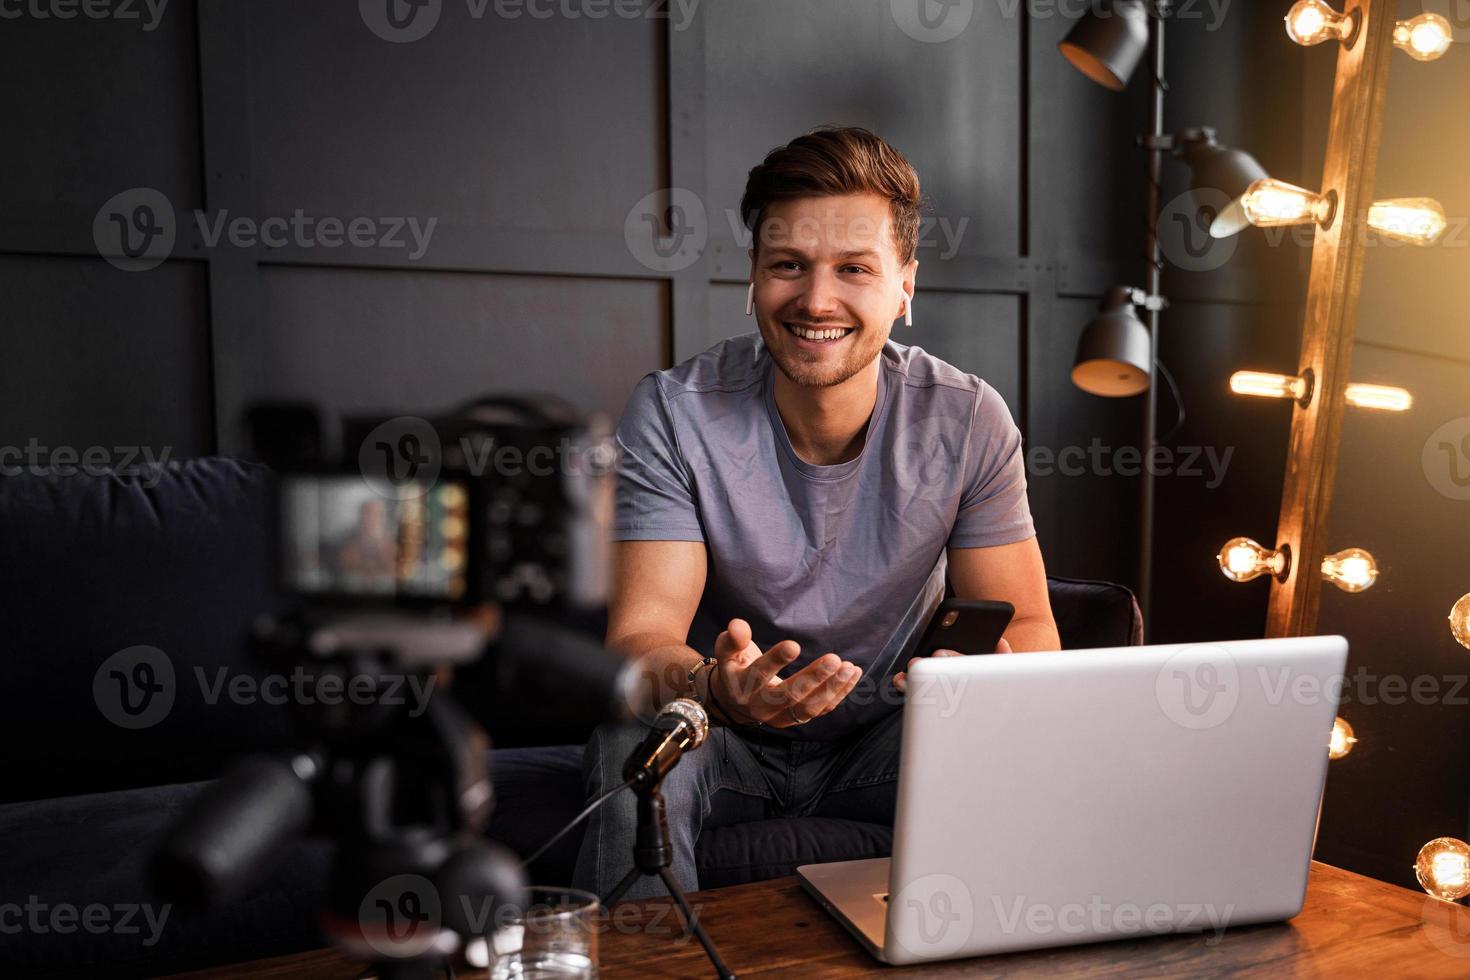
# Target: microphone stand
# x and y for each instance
(653, 854)
(652, 857)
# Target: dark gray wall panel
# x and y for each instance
(96, 106)
(1096, 530)
(1202, 344)
(94, 356)
(1419, 298)
(778, 69)
(976, 332)
(369, 340)
(1094, 194)
(1405, 781)
(525, 123)
(726, 316)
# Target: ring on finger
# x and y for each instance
(791, 710)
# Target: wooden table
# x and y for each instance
(1351, 926)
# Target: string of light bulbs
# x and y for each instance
(1423, 38)
(1243, 559)
(1262, 384)
(1442, 866)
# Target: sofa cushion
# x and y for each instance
(76, 869)
(92, 850)
(127, 600)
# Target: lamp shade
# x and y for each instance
(1114, 354)
(1227, 170)
(1107, 43)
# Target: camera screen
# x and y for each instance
(340, 536)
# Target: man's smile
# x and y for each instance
(816, 335)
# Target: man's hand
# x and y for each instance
(746, 687)
(901, 679)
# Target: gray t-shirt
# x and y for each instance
(847, 558)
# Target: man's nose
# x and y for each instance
(820, 297)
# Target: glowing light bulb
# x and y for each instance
(1272, 203)
(1424, 37)
(1311, 22)
(1342, 741)
(1460, 621)
(1384, 397)
(1443, 868)
(1242, 559)
(1353, 570)
(1266, 385)
(1416, 220)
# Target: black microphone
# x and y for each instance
(681, 725)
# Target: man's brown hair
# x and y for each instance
(837, 160)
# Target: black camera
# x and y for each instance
(504, 499)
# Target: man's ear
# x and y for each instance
(910, 274)
(751, 252)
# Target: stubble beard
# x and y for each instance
(811, 373)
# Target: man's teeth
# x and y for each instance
(807, 334)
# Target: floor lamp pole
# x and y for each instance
(1157, 88)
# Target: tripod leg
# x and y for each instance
(721, 969)
(622, 887)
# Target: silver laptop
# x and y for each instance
(1046, 799)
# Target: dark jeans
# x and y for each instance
(735, 776)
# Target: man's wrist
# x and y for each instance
(712, 704)
(698, 679)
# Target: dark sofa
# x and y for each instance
(176, 561)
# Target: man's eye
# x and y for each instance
(854, 269)
(788, 265)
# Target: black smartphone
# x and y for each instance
(967, 626)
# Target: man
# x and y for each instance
(367, 556)
(790, 502)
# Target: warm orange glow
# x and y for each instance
(1353, 570)
(1443, 868)
(1383, 397)
(1313, 21)
(1416, 220)
(1272, 203)
(1342, 741)
(1460, 621)
(1264, 385)
(1423, 38)
(1242, 559)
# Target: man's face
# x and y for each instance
(828, 285)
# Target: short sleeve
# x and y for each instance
(655, 495)
(993, 508)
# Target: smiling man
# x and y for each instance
(789, 505)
